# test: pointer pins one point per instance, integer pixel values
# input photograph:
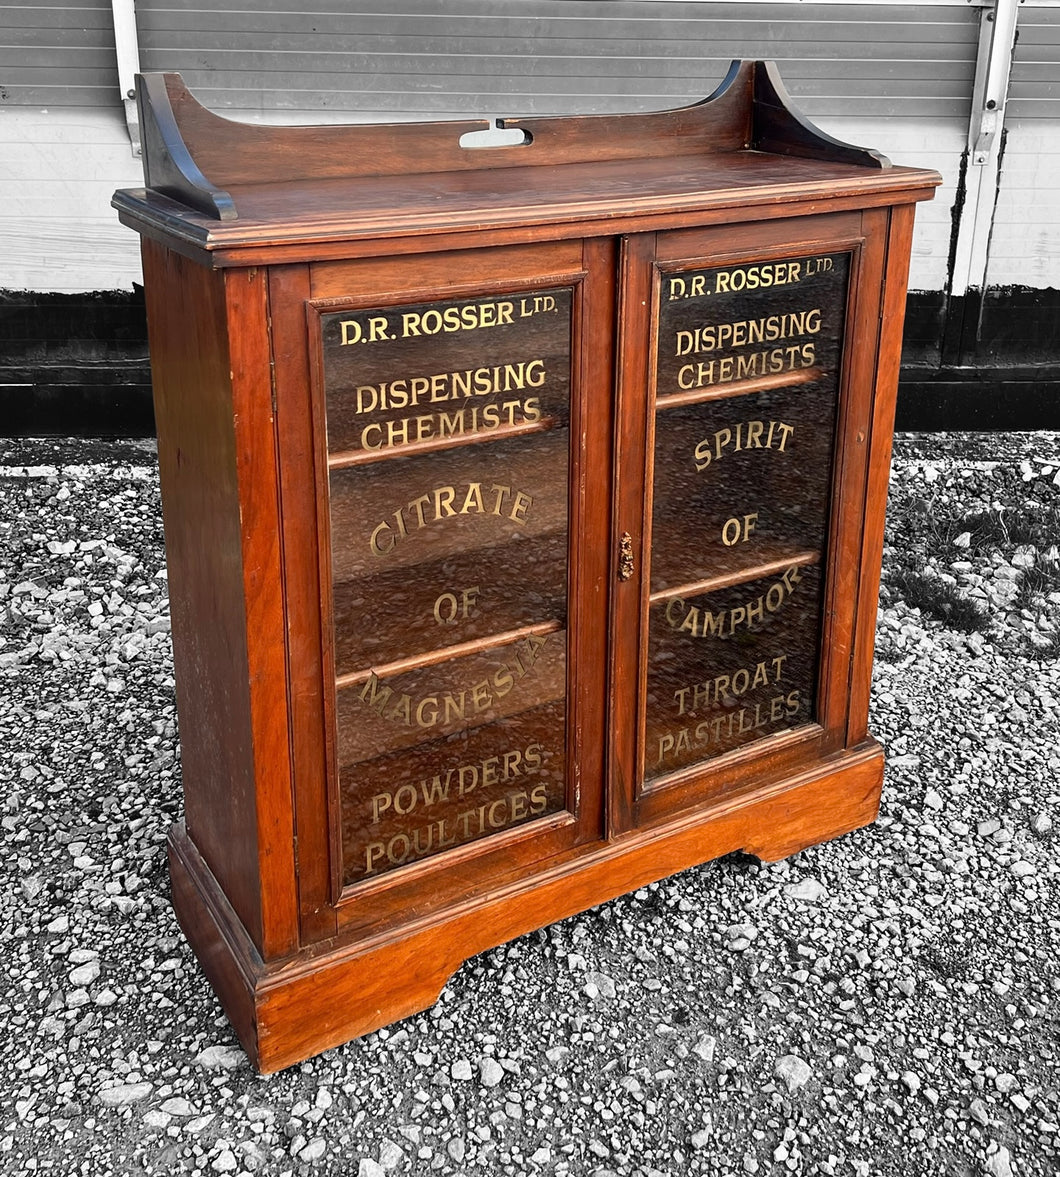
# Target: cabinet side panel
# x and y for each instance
(191, 373)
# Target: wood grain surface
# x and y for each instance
(439, 687)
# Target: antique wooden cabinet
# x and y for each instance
(524, 508)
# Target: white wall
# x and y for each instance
(896, 77)
(898, 73)
(918, 143)
(1025, 242)
(58, 170)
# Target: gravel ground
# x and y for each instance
(885, 1004)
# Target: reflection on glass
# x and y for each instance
(411, 374)
(748, 364)
(448, 434)
(438, 549)
(731, 666)
(441, 756)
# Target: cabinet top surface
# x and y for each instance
(387, 206)
(229, 190)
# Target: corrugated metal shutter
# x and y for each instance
(63, 145)
(896, 76)
(429, 59)
(1034, 87)
(58, 55)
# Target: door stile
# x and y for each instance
(853, 432)
(632, 519)
(897, 224)
(300, 483)
(591, 589)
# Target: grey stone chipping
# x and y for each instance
(885, 1004)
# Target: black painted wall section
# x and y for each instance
(74, 365)
(981, 361)
(77, 365)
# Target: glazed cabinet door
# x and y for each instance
(449, 490)
(741, 479)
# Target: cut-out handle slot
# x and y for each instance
(496, 136)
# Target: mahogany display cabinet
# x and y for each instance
(524, 512)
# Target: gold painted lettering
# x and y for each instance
(523, 503)
(403, 847)
(397, 432)
(434, 791)
(443, 502)
(404, 799)
(402, 710)
(431, 711)
(468, 773)
(380, 542)
(417, 505)
(719, 444)
(733, 533)
(753, 717)
(473, 500)
(470, 317)
(746, 367)
(792, 577)
(439, 387)
(427, 712)
(748, 332)
(447, 608)
(703, 623)
(431, 791)
(439, 504)
(351, 331)
(375, 694)
(454, 707)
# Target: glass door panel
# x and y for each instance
(448, 454)
(748, 363)
(451, 752)
(730, 665)
(435, 550)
